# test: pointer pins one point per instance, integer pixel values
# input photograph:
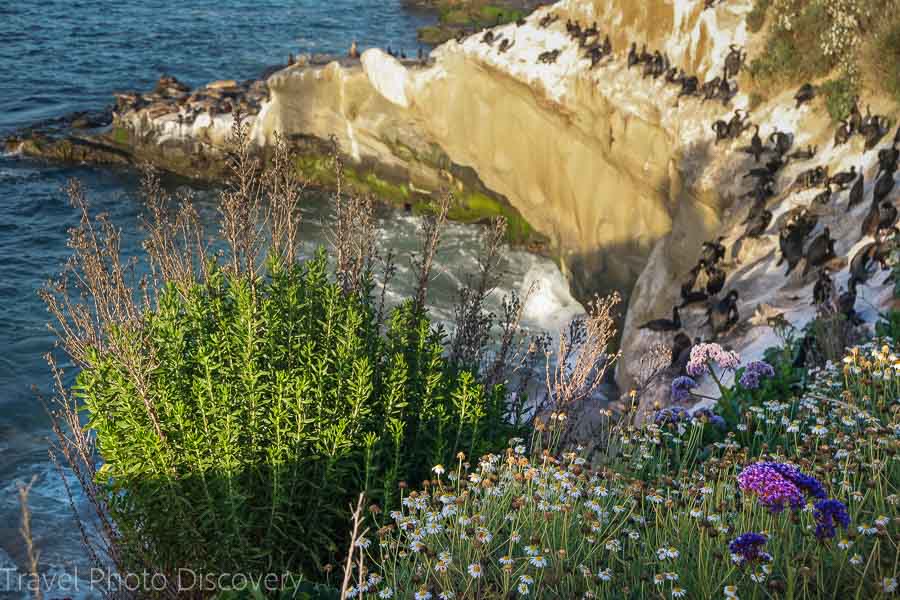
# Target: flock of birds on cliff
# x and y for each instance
(172, 97)
(797, 225)
(654, 64)
(705, 284)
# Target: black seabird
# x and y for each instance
(673, 324)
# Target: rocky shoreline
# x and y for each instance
(185, 132)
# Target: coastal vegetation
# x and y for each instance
(455, 16)
(851, 45)
(244, 404)
(688, 506)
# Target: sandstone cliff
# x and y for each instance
(597, 159)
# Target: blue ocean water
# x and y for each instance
(61, 56)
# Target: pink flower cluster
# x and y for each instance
(774, 490)
(704, 354)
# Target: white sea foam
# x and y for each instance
(551, 306)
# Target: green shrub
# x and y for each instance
(276, 401)
(757, 16)
(840, 97)
(242, 403)
(885, 61)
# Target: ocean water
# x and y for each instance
(61, 56)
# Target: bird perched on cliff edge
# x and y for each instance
(723, 315)
(660, 325)
(806, 93)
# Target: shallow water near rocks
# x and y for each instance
(61, 56)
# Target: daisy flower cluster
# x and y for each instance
(802, 496)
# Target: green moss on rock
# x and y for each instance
(476, 207)
(468, 15)
(120, 135)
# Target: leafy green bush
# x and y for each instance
(840, 97)
(242, 402)
(757, 16)
(276, 402)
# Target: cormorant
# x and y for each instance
(806, 93)
(820, 251)
(887, 160)
(847, 302)
(756, 147)
(782, 141)
(721, 129)
(842, 133)
(856, 192)
(823, 290)
(737, 124)
(632, 55)
(887, 215)
(723, 315)
(688, 284)
(843, 178)
(883, 187)
(734, 61)
(790, 241)
(681, 347)
(673, 324)
(864, 263)
(807, 154)
(811, 178)
(715, 280)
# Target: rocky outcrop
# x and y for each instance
(596, 159)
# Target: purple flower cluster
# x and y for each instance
(681, 388)
(775, 491)
(829, 514)
(807, 484)
(754, 372)
(704, 354)
(671, 415)
(748, 547)
(708, 415)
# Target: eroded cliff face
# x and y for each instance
(599, 160)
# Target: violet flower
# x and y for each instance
(711, 417)
(808, 484)
(829, 514)
(774, 491)
(755, 372)
(748, 547)
(681, 388)
(670, 415)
